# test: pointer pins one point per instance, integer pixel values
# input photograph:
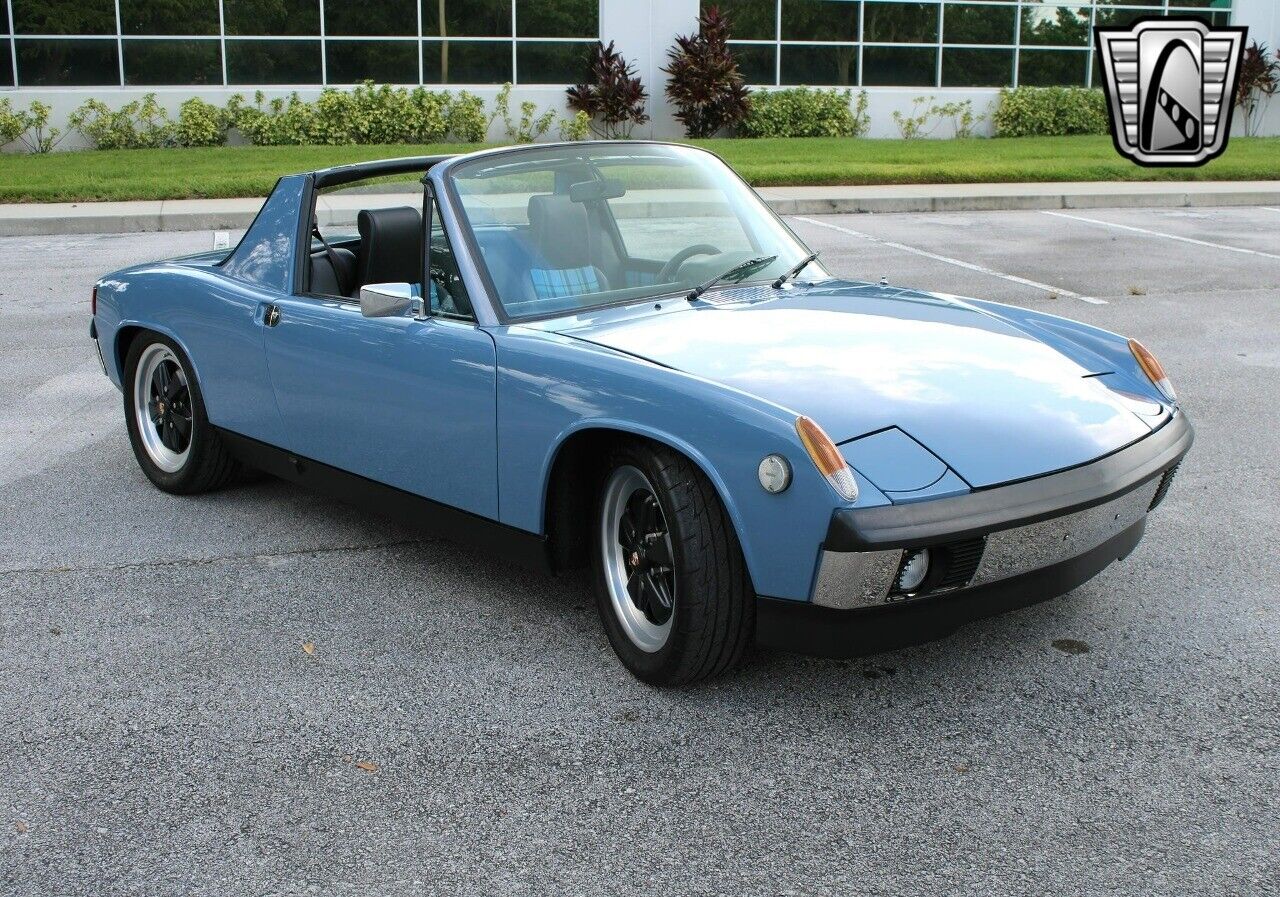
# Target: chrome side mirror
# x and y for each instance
(386, 300)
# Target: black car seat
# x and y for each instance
(390, 246)
(333, 271)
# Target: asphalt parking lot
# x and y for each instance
(461, 727)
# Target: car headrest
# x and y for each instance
(390, 246)
(560, 230)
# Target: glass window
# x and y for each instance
(1057, 26)
(756, 62)
(378, 18)
(466, 62)
(449, 294)
(901, 23)
(148, 62)
(67, 63)
(273, 62)
(6, 65)
(4, 18)
(899, 66)
(271, 17)
(541, 218)
(822, 65)
(558, 18)
(387, 62)
(546, 62)
(969, 23)
(964, 67)
(1053, 68)
(821, 20)
(64, 17)
(748, 19)
(474, 18)
(1123, 17)
(169, 17)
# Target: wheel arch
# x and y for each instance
(129, 331)
(567, 500)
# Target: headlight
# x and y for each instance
(827, 458)
(1153, 369)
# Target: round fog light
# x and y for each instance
(775, 474)
(915, 567)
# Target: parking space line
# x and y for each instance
(981, 269)
(1156, 233)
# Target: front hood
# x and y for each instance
(990, 400)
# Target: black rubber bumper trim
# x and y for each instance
(1002, 507)
(806, 628)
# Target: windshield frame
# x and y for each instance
(448, 180)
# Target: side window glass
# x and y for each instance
(449, 295)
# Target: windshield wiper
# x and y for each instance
(742, 268)
(795, 269)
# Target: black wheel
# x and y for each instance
(174, 443)
(671, 585)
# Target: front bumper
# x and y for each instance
(1017, 543)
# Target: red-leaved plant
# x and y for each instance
(616, 98)
(704, 84)
(1259, 82)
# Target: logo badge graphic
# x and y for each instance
(1171, 86)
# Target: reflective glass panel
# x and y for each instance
(169, 17)
(475, 18)
(376, 17)
(6, 65)
(148, 62)
(901, 23)
(971, 23)
(67, 63)
(273, 62)
(820, 65)
(1052, 68)
(821, 20)
(466, 62)
(558, 18)
(899, 66)
(267, 17)
(64, 17)
(756, 62)
(1058, 26)
(965, 67)
(547, 62)
(748, 19)
(387, 62)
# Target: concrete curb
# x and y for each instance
(40, 219)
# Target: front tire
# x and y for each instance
(671, 584)
(176, 446)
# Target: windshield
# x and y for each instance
(568, 228)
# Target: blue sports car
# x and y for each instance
(622, 358)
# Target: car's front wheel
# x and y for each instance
(176, 446)
(671, 584)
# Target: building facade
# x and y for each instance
(63, 51)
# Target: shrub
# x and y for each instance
(916, 124)
(429, 115)
(200, 124)
(467, 120)
(615, 97)
(139, 124)
(12, 125)
(577, 127)
(528, 128)
(803, 112)
(1259, 82)
(705, 84)
(1050, 112)
(282, 122)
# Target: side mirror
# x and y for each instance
(386, 300)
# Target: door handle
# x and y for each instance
(271, 315)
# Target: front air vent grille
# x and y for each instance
(737, 294)
(1163, 489)
(962, 559)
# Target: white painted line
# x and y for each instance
(1156, 233)
(1269, 209)
(1012, 278)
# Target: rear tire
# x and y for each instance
(671, 584)
(176, 446)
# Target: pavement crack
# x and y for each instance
(217, 559)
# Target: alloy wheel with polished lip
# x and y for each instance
(639, 564)
(162, 404)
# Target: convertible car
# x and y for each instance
(615, 355)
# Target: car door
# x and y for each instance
(410, 403)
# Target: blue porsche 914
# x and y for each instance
(615, 355)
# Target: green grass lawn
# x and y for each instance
(251, 170)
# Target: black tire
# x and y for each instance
(712, 618)
(207, 464)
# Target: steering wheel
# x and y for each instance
(674, 263)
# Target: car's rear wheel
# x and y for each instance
(671, 584)
(172, 438)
